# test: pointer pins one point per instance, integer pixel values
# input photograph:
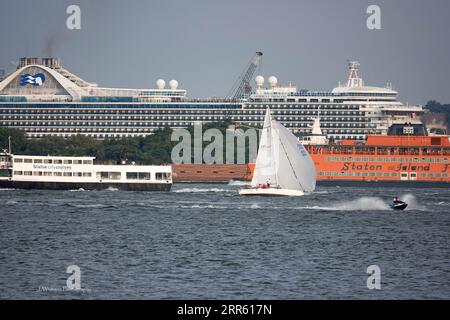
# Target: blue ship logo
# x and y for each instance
(36, 80)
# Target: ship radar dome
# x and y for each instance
(173, 84)
(273, 81)
(160, 84)
(259, 81)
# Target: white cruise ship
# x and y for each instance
(44, 99)
(71, 173)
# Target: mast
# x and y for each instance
(9, 145)
(273, 144)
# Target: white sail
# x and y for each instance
(264, 168)
(283, 160)
(295, 168)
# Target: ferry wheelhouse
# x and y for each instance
(66, 173)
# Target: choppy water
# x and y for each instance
(204, 241)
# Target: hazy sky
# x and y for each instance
(205, 44)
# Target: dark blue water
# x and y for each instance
(205, 241)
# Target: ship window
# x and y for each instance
(144, 175)
(18, 173)
(77, 162)
(78, 174)
(27, 173)
(87, 161)
(393, 174)
(58, 161)
(87, 174)
(38, 173)
(67, 161)
(132, 175)
(57, 174)
(67, 174)
(37, 161)
(48, 161)
(27, 160)
(47, 174)
(18, 160)
(386, 174)
(162, 175)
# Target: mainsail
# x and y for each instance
(282, 160)
(265, 170)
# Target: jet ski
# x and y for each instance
(398, 205)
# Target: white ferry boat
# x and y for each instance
(68, 173)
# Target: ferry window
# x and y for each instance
(87, 161)
(423, 175)
(47, 174)
(111, 175)
(58, 161)
(386, 174)
(18, 160)
(393, 174)
(18, 173)
(78, 174)
(37, 161)
(28, 160)
(77, 162)
(38, 173)
(144, 175)
(162, 175)
(67, 161)
(57, 174)
(27, 173)
(132, 175)
(48, 161)
(67, 174)
(87, 174)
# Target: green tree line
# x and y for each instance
(151, 149)
(436, 107)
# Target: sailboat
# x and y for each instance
(283, 166)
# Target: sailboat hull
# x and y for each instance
(271, 192)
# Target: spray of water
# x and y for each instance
(237, 183)
(369, 204)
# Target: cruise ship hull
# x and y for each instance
(52, 185)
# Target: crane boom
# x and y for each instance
(242, 86)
